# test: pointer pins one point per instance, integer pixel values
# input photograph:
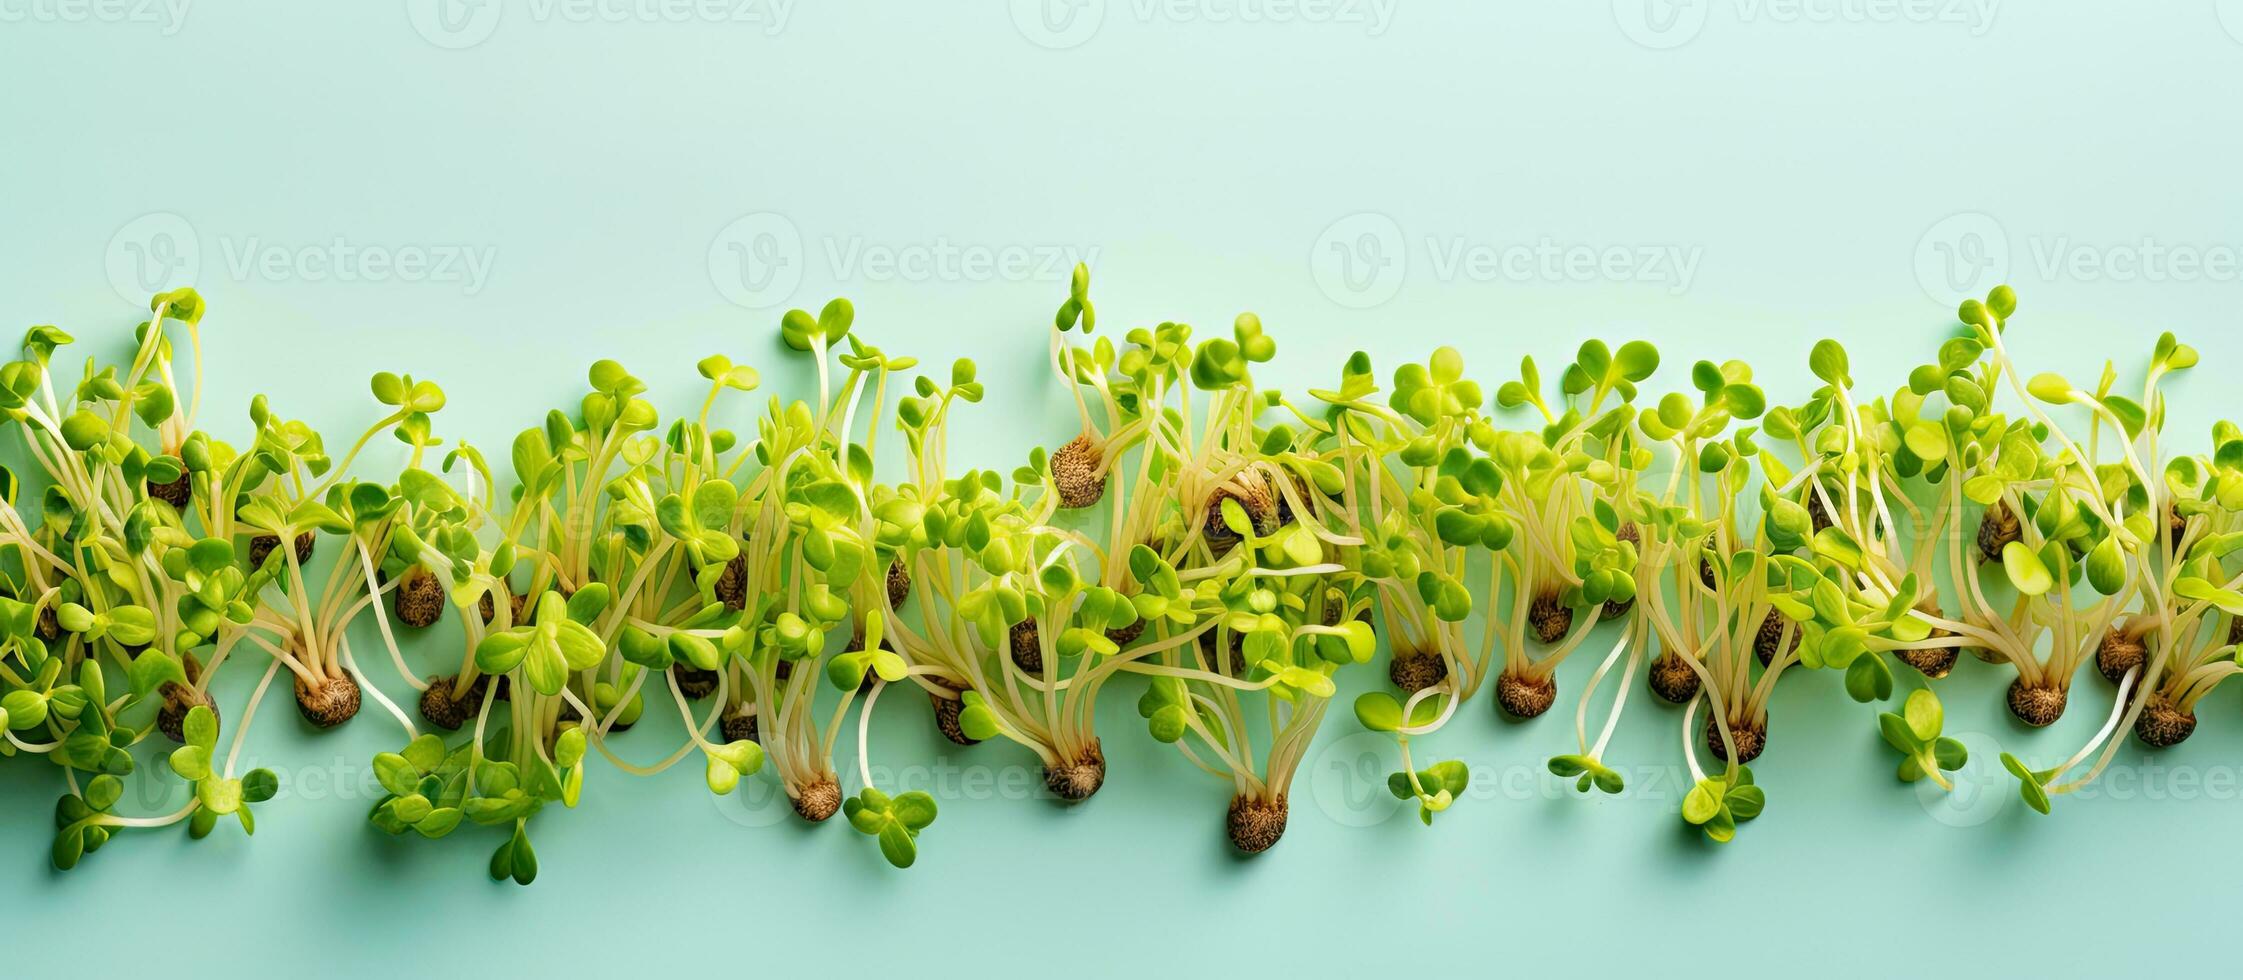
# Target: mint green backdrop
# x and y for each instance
(495, 193)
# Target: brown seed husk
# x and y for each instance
(2118, 653)
(1261, 511)
(1027, 647)
(1416, 670)
(1817, 515)
(332, 702)
(732, 583)
(49, 627)
(1522, 697)
(2176, 526)
(178, 699)
(1770, 639)
(946, 718)
(1932, 662)
(171, 715)
(740, 728)
(1616, 608)
(441, 709)
(1997, 529)
(694, 682)
(2163, 723)
(1123, 636)
(1672, 679)
(1075, 781)
(263, 545)
(517, 606)
(1235, 665)
(1074, 470)
(176, 493)
(1750, 737)
(2235, 630)
(419, 599)
(1255, 824)
(818, 801)
(1551, 618)
(856, 642)
(2036, 706)
(899, 583)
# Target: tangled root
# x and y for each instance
(1255, 824)
(1522, 697)
(419, 599)
(2036, 706)
(1075, 781)
(333, 701)
(1996, 530)
(1414, 670)
(441, 709)
(1074, 470)
(2163, 723)
(1750, 737)
(818, 801)
(1551, 618)
(2119, 652)
(1672, 679)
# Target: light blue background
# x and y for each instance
(1811, 162)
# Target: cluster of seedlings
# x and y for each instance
(1229, 546)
